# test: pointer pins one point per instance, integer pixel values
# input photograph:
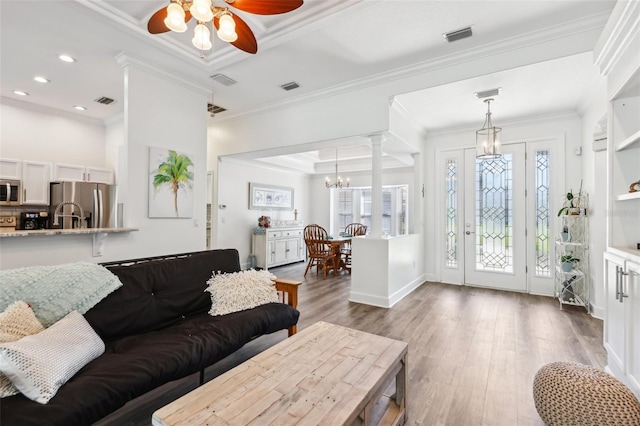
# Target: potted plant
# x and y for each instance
(568, 205)
(568, 262)
(573, 204)
(564, 235)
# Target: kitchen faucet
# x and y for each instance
(57, 214)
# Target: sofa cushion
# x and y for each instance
(158, 293)
(40, 363)
(16, 322)
(240, 290)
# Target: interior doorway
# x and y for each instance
(497, 219)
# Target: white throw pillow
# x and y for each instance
(16, 322)
(241, 290)
(38, 365)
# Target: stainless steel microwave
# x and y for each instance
(10, 192)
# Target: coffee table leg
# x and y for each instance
(401, 389)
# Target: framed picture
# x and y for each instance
(270, 197)
(170, 184)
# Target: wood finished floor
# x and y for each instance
(473, 352)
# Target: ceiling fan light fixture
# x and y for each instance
(175, 18)
(202, 37)
(201, 10)
(488, 138)
(227, 27)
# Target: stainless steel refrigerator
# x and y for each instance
(97, 201)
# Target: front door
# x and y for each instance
(495, 220)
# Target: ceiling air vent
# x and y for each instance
(290, 86)
(223, 79)
(104, 100)
(488, 93)
(214, 109)
(458, 34)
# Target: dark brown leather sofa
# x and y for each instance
(156, 329)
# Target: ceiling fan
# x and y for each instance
(230, 27)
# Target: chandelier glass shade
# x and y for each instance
(488, 138)
(204, 12)
(338, 183)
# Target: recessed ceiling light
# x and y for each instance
(80, 107)
(20, 93)
(66, 58)
(41, 79)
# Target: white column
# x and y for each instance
(376, 186)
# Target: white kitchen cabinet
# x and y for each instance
(10, 169)
(633, 335)
(280, 244)
(77, 173)
(35, 183)
(614, 313)
(622, 315)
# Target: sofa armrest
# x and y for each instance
(289, 288)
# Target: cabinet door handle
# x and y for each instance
(622, 282)
(24, 195)
(617, 283)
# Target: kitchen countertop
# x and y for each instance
(46, 232)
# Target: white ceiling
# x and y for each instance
(325, 46)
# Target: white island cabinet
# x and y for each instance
(617, 53)
(280, 244)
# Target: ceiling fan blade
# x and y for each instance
(265, 7)
(156, 22)
(246, 40)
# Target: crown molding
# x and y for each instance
(623, 25)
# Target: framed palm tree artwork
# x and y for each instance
(170, 184)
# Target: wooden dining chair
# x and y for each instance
(353, 229)
(315, 238)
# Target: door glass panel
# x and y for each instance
(451, 192)
(542, 214)
(494, 210)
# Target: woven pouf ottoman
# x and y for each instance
(566, 393)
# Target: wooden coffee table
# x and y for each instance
(324, 375)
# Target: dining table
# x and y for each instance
(335, 246)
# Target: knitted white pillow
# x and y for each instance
(240, 290)
(38, 365)
(16, 322)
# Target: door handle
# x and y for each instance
(469, 232)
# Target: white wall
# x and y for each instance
(235, 223)
(31, 132)
(594, 171)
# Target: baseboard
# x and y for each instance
(404, 291)
(387, 302)
(597, 312)
(369, 299)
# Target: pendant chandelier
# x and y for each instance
(338, 180)
(488, 138)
